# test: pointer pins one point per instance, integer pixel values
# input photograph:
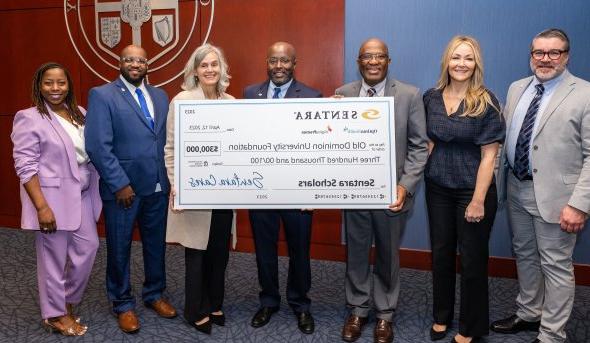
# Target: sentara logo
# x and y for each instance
(326, 115)
(152, 24)
(371, 114)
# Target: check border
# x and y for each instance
(366, 204)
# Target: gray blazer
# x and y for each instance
(561, 148)
(411, 141)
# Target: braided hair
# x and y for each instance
(70, 101)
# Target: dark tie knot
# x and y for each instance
(277, 91)
(540, 88)
(371, 92)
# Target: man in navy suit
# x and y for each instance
(125, 136)
(280, 63)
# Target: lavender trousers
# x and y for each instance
(65, 259)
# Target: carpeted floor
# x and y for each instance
(20, 317)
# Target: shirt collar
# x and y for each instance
(551, 83)
(131, 87)
(379, 88)
(272, 86)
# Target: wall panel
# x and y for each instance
(417, 33)
(37, 33)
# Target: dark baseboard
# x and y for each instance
(415, 259)
(409, 258)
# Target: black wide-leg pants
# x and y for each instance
(448, 231)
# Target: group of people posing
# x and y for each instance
(118, 157)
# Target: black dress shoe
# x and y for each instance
(305, 322)
(514, 324)
(203, 327)
(438, 335)
(217, 319)
(262, 317)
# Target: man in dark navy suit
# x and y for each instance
(281, 62)
(125, 136)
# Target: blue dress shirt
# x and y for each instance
(272, 86)
(521, 109)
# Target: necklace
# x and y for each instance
(452, 102)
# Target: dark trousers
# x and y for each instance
(265, 227)
(150, 212)
(449, 229)
(205, 269)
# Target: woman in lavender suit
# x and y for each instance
(59, 195)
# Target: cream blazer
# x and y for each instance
(190, 228)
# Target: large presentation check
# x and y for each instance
(288, 153)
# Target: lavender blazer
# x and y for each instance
(42, 147)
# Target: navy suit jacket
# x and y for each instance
(296, 90)
(121, 143)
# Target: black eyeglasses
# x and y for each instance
(553, 54)
(368, 57)
(275, 60)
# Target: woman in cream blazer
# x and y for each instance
(205, 234)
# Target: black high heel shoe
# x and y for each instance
(438, 335)
(217, 319)
(204, 327)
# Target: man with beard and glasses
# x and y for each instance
(545, 180)
(125, 137)
(280, 65)
(381, 288)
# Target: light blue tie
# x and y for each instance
(276, 93)
(144, 107)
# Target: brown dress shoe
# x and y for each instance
(163, 308)
(128, 322)
(383, 331)
(352, 328)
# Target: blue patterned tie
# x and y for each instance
(371, 92)
(523, 143)
(276, 93)
(144, 107)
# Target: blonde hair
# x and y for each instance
(190, 80)
(477, 98)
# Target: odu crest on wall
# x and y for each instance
(117, 24)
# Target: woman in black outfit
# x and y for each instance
(465, 130)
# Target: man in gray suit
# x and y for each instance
(545, 178)
(383, 225)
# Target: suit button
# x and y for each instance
(534, 170)
(536, 147)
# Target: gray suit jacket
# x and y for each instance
(411, 141)
(561, 148)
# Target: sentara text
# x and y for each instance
(336, 183)
(326, 114)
